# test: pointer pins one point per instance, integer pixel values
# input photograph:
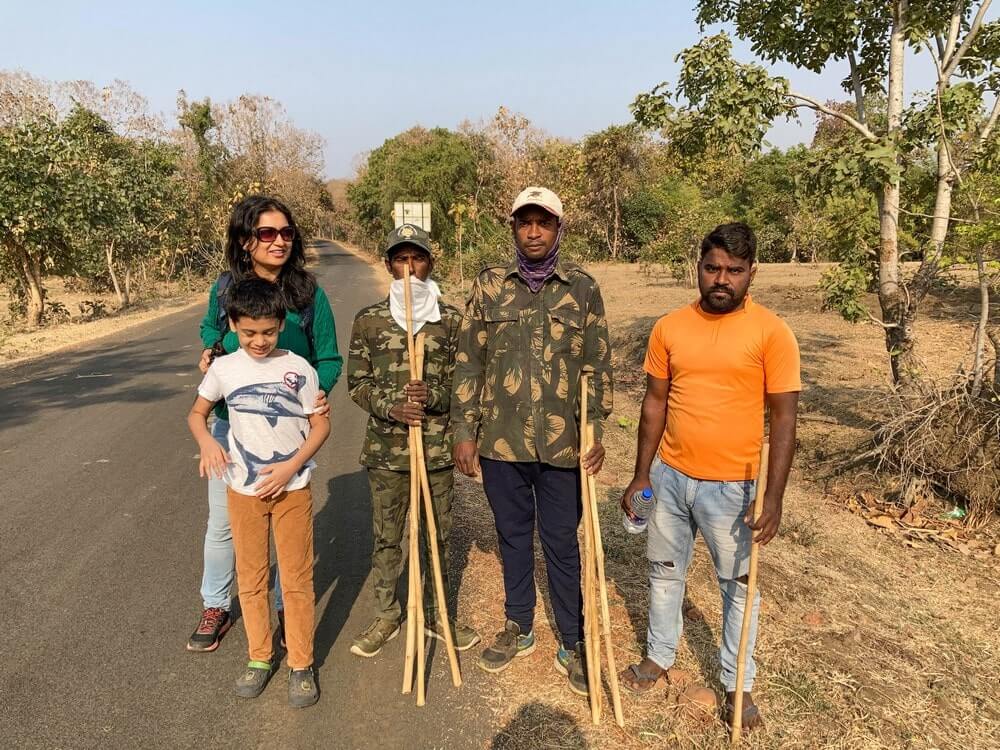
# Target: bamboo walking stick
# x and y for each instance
(591, 648)
(616, 698)
(414, 596)
(411, 601)
(419, 475)
(417, 370)
(741, 659)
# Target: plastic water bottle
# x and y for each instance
(642, 506)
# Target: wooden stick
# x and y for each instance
(417, 371)
(616, 698)
(413, 598)
(456, 674)
(590, 647)
(411, 601)
(741, 659)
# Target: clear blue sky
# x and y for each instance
(360, 72)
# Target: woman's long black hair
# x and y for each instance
(297, 284)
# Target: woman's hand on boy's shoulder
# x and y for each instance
(214, 459)
(322, 406)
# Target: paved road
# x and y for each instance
(101, 531)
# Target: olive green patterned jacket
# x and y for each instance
(520, 356)
(378, 368)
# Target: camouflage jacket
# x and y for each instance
(520, 356)
(378, 368)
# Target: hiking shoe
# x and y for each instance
(214, 623)
(302, 690)
(254, 679)
(375, 636)
(508, 645)
(573, 664)
(462, 636)
(281, 627)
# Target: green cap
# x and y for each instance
(408, 234)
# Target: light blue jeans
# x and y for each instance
(685, 506)
(220, 558)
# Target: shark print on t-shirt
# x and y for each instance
(269, 401)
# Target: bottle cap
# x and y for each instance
(647, 493)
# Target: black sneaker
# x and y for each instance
(214, 623)
(509, 644)
(302, 690)
(254, 679)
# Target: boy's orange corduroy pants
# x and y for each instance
(290, 515)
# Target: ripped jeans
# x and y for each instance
(684, 506)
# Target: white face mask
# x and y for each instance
(424, 295)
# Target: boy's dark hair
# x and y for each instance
(255, 298)
(736, 238)
(298, 284)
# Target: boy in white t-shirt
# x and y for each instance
(274, 434)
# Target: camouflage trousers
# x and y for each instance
(390, 491)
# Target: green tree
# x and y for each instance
(437, 166)
(725, 104)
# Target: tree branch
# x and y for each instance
(808, 101)
(990, 124)
(859, 94)
(954, 28)
(951, 63)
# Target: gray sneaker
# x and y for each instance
(374, 637)
(509, 644)
(254, 679)
(302, 690)
(462, 636)
(573, 664)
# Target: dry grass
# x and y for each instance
(864, 643)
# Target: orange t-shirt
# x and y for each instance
(720, 367)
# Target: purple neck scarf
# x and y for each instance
(535, 272)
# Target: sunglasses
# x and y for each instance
(270, 234)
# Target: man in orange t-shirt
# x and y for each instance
(711, 367)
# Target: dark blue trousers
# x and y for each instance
(517, 492)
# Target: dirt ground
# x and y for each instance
(79, 324)
(866, 640)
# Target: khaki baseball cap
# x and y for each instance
(541, 197)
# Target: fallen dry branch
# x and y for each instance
(947, 439)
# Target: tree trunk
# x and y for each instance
(979, 358)
(31, 275)
(128, 286)
(897, 316)
(930, 265)
(617, 223)
(109, 256)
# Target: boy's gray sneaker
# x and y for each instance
(573, 664)
(462, 636)
(302, 690)
(374, 637)
(509, 644)
(254, 679)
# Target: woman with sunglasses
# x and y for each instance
(262, 241)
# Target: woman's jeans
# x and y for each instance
(220, 558)
(684, 506)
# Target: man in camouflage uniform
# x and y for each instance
(530, 329)
(379, 382)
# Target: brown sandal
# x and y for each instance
(635, 672)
